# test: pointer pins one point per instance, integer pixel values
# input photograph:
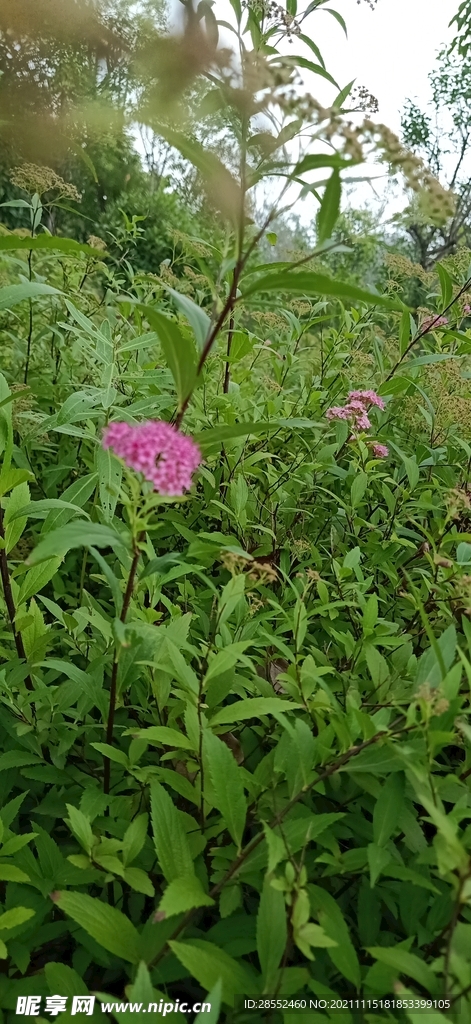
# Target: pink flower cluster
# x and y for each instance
(380, 450)
(355, 409)
(355, 412)
(157, 450)
(466, 309)
(431, 322)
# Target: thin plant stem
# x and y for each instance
(114, 671)
(9, 601)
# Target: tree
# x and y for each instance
(442, 136)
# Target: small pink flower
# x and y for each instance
(157, 450)
(338, 412)
(432, 322)
(367, 398)
(467, 310)
(355, 409)
(380, 450)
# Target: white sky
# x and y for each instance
(390, 50)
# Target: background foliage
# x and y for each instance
(236, 750)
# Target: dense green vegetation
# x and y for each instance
(235, 527)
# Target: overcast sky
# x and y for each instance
(390, 50)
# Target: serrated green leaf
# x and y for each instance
(171, 843)
(272, 931)
(252, 707)
(13, 918)
(163, 735)
(134, 838)
(106, 925)
(387, 809)
(408, 964)
(182, 894)
(227, 787)
(208, 965)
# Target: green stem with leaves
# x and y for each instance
(114, 671)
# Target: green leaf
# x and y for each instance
(13, 918)
(331, 919)
(358, 489)
(12, 478)
(197, 318)
(75, 535)
(110, 474)
(315, 69)
(252, 707)
(388, 808)
(406, 963)
(209, 964)
(107, 925)
(139, 881)
(446, 284)
(343, 95)
(63, 979)
(17, 759)
(10, 873)
(134, 838)
(213, 999)
(330, 207)
(36, 579)
(272, 931)
(163, 735)
(184, 894)
(67, 245)
(178, 350)
(112, 753)
(41, 509)
(228, 790)
(12, 294)
(224, 190)
(405, 331)
(225, 659)
(80, 826)
(309, 284)
(378, 860)
(171, 843)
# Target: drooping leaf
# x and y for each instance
(74, 535)
(309, 283)
(208, 965)
(178, 350)
(12, 294)
(407, 964)
(52, 242)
